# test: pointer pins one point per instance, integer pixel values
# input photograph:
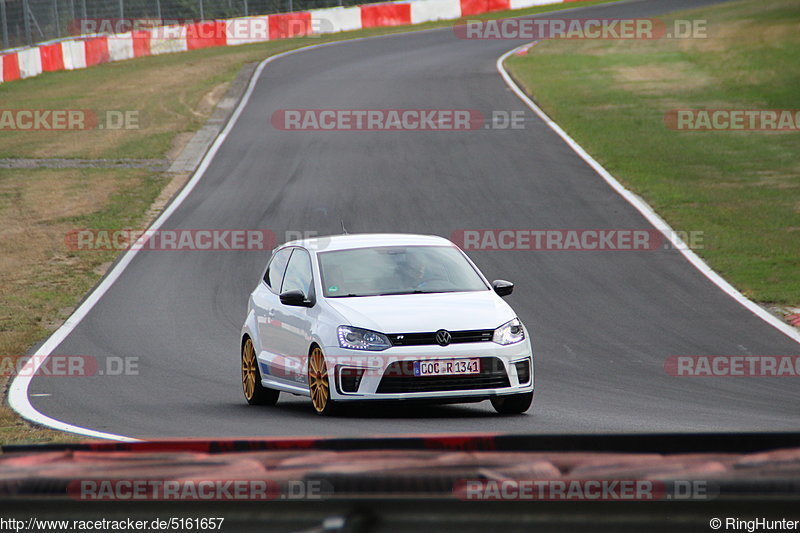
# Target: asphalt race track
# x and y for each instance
(603, 323)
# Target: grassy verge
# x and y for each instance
(40, 279)
(742, 189)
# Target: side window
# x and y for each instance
(298, 273)
(277, 266)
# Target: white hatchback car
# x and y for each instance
(383, 317)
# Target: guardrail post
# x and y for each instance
(57, 18)
(26, 18)
(4, 21)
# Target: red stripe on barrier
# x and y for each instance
(205, 34)
(476, 7)
(284, 25)
(10, 67)
(96, 51)
(141, 43)
(373, 16)
(457, 442)
(52, 57)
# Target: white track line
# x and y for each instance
(647, 211)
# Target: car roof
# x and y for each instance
(368, 240)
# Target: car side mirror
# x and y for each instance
(502, 287)
(295, 297)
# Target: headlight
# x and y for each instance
(509, 333)
(362, 339)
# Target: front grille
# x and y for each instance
(399, 378)
(424, 339)
(523, 371)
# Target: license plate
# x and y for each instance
(447, 367)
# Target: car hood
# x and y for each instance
(410, 313)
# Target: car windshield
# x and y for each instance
(396, 270)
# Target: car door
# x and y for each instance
(266, 301)
(296, 321)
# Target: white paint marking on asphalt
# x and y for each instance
(647, 211)
(18, 390)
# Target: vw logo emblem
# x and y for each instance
(443, 337)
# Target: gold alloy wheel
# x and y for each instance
(318, 383)
(249, 370)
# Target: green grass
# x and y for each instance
(35, 298)
(741, 189)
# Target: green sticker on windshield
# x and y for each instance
(333, 288)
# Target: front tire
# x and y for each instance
(254, 392)
(319, 385)
(513, 404)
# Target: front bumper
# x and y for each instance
(360, 375)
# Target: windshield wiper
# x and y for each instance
(415, 291)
